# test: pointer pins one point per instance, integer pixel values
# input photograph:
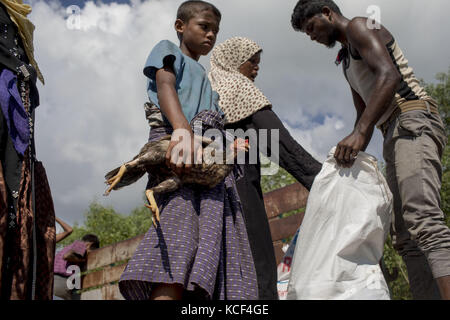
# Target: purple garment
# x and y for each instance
(200, 242)
(14, 111)
(61, 265)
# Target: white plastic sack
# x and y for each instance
(346, 222)
(284, 268)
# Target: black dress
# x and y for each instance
(295, 160)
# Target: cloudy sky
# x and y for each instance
(91, 117)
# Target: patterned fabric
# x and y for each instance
(61, 264)
(200, 242)
(16, 246)
(16, 242)
(238, 96)
(3, 230)
(46, 233)
(18, 12)
(14, 111)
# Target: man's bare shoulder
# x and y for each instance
(359, 27)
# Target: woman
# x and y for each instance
(27, 221)
(234, 67)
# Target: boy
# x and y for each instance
(200, 247)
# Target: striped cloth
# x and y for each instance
(61, 265)
(200, 242)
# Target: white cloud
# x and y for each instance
(91, 117)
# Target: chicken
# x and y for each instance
(151, 159)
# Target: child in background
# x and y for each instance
(199, 248)
(74, 254)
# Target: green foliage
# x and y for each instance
(110, 226)
(445, 191)
(441, 93)
(279, 180)
(399, 287)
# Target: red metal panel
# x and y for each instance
(286, 227)
(119, 251)
(285, 199)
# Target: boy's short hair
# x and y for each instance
(92, 238)
(188, 9)
(306, 9)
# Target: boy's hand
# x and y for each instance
(182, 151)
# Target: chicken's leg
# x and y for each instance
(116, 179)
(168, 185)
(153, 206)
(113, 181)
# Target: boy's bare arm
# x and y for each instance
(168, 98)
(374, 52)
(171, 107)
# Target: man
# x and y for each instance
(386, 94)
(72, 255)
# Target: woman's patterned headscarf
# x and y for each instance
(238, 96)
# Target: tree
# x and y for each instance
(110, 226)
(279, 180)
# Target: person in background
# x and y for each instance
(234, 67)
(67, 230)
(74, 254)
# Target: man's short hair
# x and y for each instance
(189, 9)
(306, 9)
(92, 238)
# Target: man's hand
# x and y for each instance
(348, 149)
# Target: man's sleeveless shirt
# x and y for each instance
(362, 80)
